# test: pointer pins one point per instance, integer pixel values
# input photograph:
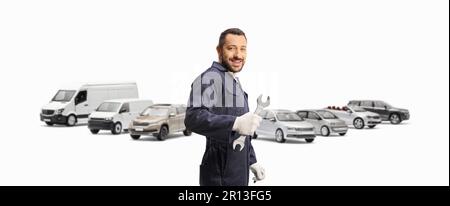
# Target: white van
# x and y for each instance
(72, 104)
(116, 114)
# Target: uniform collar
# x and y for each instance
(233, 75)
(219, 66)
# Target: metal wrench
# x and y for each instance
(260, 106)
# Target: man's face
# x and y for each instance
(233, 53)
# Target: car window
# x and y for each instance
(288, 116)
(64, 95)
(327, 114)
(366, 104)
(125, 108)
(81, 97)
(155, 111)
(312, 115)
(302, 114)
(379, 104)
(108, 107)
(354, 103)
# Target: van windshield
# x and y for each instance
(155, 111)
(63, 95)
(288, 116)
(108, 107)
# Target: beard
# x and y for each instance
(228, 66)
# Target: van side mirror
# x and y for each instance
(123, 111)
(172, 115)
(273, 119)
(349, 111)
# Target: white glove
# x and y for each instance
(258, 171)
(247, 123)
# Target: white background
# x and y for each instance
(304, 54)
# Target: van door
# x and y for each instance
(135, 109)
(125, 115)
(82, 107)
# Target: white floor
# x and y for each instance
(306, 55)
(386, 155)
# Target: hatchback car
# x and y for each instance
(324, 122)
(356, 116)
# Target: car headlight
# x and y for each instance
(291, 128)
(108, 118)
(59, 111)
(332, 124)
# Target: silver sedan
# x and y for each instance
(283, 124)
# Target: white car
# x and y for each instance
(356, 116)
(116, 115)
(283, 124)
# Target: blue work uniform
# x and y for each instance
(221, 164)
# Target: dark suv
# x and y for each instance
(386, 111)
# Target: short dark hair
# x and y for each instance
(234, 31)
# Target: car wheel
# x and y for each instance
(135, 136)
(372, 126)
(95, 131)
(325, 131)
(309, 140)
(358, 123)
(395, 118)
(71, 120)
(117, 128)
(187, 132)
(163, 132)
(49, 123)
(342, 134)
(279, 136)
